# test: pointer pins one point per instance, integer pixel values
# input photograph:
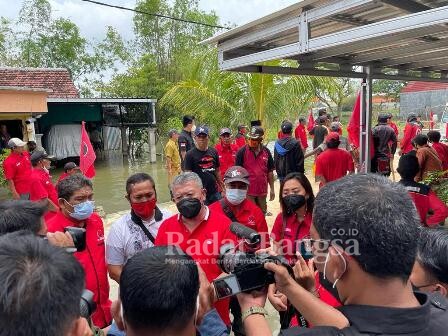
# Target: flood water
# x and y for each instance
(112, 172)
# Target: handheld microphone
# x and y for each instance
(251, 236)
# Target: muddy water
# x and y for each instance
(112, 172)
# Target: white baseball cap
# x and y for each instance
(16, 142)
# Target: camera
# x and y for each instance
(246, 269)
(79, 238)
(87, 306)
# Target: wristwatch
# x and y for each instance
(254, 310)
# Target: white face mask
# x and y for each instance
(236, 196)
(325, 267)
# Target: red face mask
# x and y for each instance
(144, 209)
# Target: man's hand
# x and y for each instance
(282, 278)
(116, 314)
(272, 194)
(304, 274)
(277, 299)
(60, 239)
(254, 298)
(15, 195)
(84, 328)
(206, 295)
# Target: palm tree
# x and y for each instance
(226, 98)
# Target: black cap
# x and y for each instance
(382, 117)
(256, 132)
(286, 127)
(70, 166)
(236, 174)
(39, 155)
(203, 129)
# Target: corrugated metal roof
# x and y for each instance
(395, 37)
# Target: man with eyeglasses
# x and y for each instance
(204, 161)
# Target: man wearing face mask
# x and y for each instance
(41, 188)
(136, 230)
(75, 201)
(367, 249)
(257, 160)
(198, 230)
(238, 208)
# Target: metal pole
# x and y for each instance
(362, 123)
(151, 133)
(369, 108)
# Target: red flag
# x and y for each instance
(431, 120)
(86, 154)
(310, 121)
(353, 125)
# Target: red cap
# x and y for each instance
(333, 136)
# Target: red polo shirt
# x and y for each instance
(258, 167)
(300, 135)
(333, 164)
(93, 261)
(248, 214)
(227, 155)
(202, 245)
(41, 188)
(17, 167)
(294, 231)
(240, 140)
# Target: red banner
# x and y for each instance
(310, 121)
(353, 125)
(86, 154)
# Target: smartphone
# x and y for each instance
(305, 250)
(226, 286)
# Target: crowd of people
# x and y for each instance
(363, 249)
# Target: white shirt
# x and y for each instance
(126, 238)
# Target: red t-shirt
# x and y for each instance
(248, 214)
(63, 176)
(41, 188)
(442, 152)
(300, 135)
(93, 261)
(226, 156)
(294, 231)
(333, 164)
(17, 167)
(240, 140)
(202, 245)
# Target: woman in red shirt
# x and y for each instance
(290, 226)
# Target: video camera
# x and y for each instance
(87, 306)
(79, 238)
(246, 269)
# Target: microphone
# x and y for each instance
(251, 236)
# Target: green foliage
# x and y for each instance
(3, 155)
(439, 184)
(39, 40)
(390, 87)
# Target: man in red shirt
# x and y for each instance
(70, 168)
(258, 161)
(411, 129)
(197, 230)
(226, 151)
(300, 133)
(76, 209)
(440, 148)
(333, 163)
(238, 208)
(240, 138)
(17, 169)
(41, 188)
(392, 124)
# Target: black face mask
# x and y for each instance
(293, 202)
(189, 207)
